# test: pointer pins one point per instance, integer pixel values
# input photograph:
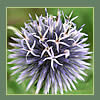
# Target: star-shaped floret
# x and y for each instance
(18, 33)
(41, 38)
(77, 34)
(68, 32)
(69, 17)
(68, 23)
(30, 49)
(58, 41)
(53, 59)
(76, 43)
(26, 36)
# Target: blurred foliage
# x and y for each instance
(17, 16)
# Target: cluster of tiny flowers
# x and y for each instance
(50, 52)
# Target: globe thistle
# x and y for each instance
(50, 52)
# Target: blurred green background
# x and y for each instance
(17, 16)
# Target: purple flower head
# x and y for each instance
(50, 53)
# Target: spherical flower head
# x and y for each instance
(50, 53)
